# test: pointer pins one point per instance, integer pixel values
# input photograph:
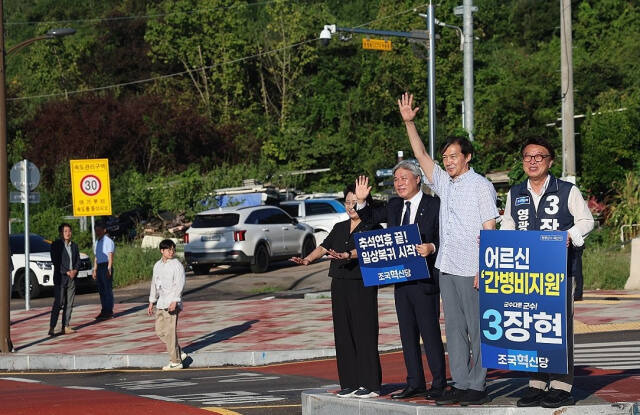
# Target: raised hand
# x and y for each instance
(362, 188)
(404, 104)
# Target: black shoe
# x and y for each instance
(433, 393)
(51, 332)
(556, 398)
(346, 393)
(364, 393)
(474, 397)
(408, 392)
(532, 397)
(450, 396)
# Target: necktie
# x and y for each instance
(406, 219)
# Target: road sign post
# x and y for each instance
(25, 176)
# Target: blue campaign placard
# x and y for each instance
(523, 300)
(388, 256)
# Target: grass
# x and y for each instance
(606, 267)
(133, 264)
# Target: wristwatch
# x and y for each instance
(349, 254)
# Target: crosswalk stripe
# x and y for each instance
(614, 356)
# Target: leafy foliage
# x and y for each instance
(240, 89)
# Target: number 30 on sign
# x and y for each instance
(90, 187)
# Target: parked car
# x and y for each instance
(255, 235)
(320, 214)
(123, 226)
(40, 265)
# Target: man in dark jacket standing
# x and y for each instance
(66, 262)
(418, 301)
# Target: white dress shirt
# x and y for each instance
(167, 283)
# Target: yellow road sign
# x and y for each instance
(376, 44)
(90, 188)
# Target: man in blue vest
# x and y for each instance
(545, 203)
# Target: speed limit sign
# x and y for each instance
(90, 187)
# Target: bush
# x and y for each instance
(605, 268)
(133, 264)
(604, 265)
(626, 207)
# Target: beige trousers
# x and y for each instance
(167, 330)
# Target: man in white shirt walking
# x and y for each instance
(166, 293)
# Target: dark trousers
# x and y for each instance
(105, 288)
(553, 380)
(355, 328)
(63, 297)
(418, 310)
(576, 270)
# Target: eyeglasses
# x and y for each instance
(538, 157)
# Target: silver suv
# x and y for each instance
(321, 214)
(255, 235)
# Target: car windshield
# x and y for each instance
(36, 244)
(215, 220)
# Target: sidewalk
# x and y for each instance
(250, 333)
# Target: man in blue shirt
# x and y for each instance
(103, 271)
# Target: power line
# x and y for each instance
(181, 73)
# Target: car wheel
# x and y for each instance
(260, 262)
(201, 269)
(34, 287)
(308, 246)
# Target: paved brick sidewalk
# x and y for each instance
(286, 325)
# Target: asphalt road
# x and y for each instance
(242, 391)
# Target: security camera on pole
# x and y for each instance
(25, 176)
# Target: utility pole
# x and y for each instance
(5, 280)
(566, 67)
(432, 81)
(466, 10)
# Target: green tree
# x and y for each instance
(207, 38)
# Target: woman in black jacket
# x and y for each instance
(354, 307)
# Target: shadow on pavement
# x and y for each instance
(218, 336)
(30, 317)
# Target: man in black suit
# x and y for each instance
(418, 301)
(66, 263)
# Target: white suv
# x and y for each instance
(40, 264)
(321, 214)
(254, 235)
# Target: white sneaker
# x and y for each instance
(364, 393)
(183, 356)
(172, 366)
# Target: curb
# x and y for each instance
(28, 362)
(319, 402)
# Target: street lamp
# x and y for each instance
(51, 34)
(5, 281)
